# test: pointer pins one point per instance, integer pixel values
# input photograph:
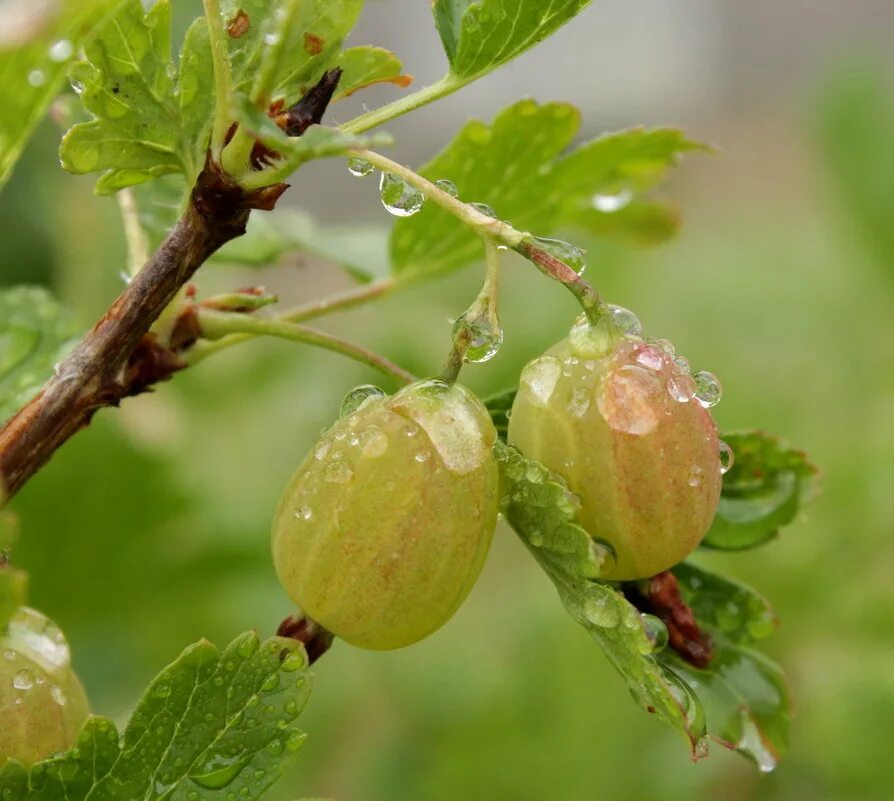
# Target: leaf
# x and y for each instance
(767, 486)
(148, 120)
(517, 164)
(210, 723)
(480, 36)
(311, 45)
(35, 332)
(37, 42)
(641, 222)
(361, 250)
(499, 406)
(542, 511)
(367, 65)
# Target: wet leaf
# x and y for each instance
(37, 43)
(520, 165)
(480, 36)
(35, 332)
(211, 722)
(767, 486)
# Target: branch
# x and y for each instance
(119, 357)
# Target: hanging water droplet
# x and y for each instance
(563, 251)
(727, 458)
(656, 634)
(77, 86)
(398, 197)
(373, 442)
(611, 203)
(483, 208)
(359, 167)
(338, 472)
(707, 388)
(627, 321)
(485, 336)
(23, 679)
(447, 186)
(37, 78)
(304, 513)
(358, 397)
(61, 50)
(681, 388)
(753, 744)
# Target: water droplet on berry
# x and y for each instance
(398, 197)
(541, 376)
(579, 401)
(683, 364)
(356, 398)
(627, 321)
(681, 387)
(373, 442)
(708, 390)
(338, 472)
(651, 357)
(23, 679)
(304, 513)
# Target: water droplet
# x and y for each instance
(422, 456)
(683, 364)
(601, 610)
(373, 442)
(294, 661)
(579, 401)
(275, 747)
(447, 186)
(541, 376)
(77, 86)
(304, 513)
(483, 208)
(727, 458)
(271, 39)
(61, 50)
(338, 472)
(58, 695)
(270, 683)
(656, 634)
(666, 346)
(696, 475)
(681, 388)
(651, 357)
(535, 537)
(359, 167)
(358, 397)
(564, 251)
(40, 639)
(9, 654)
(37, 78)
(485, 336)
(322, 448)
(162, 690)
(23, 679)
(592, 341)
(626, 400)
(707, 388)
(612, 203)
(398, 197)
(218, 770)
(753, 744)
(295, 740)
(247, 646)
(627, 321)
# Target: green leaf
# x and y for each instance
(367, 65)
(480, 36)
(641, 222)
(310, 46)
(35, 332)
(767, 486)
(500, 406)
(36, 46)
(147, 122)
(542, 510)
(361, 250)
(209, 724)
(518, 165)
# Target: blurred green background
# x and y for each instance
(150, 529)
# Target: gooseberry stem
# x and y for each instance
(215, 324)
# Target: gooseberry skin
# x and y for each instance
(385, 526)
(644, 465)
(42, 702)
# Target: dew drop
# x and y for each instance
(23, 679)
(398, 197)
(271, 39)
(58, 695)
(162, 691)
(358, 397)
(541, 376)
(37, 78)
(753, 744)
(727, 458)
(696, 475)
(359, 167)
(275, 747)
(651, 357)
(77, 86)
(625, 400)
(295, 740)
(579, 401)
(602, 611)
(304, 513)
(270, 683)
(535, 537)
(683, 364)
(322, 448)
(218, 770)
(422, 456)
(294, 661)
(611, 203)
(483, 208)
(666, 346)
(447, 186)
(338, 472)
(707, 388)
(627, 321)
(564, 251)
(656, 634)
(373, 442)
(485, 337)
(61, 50)
(681, 388)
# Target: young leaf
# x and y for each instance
(34, 333)
(765, 489)
(37, 42)
(517, 165)
(210, 723)
(311, 47)
(367, 65)
(480, 36)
